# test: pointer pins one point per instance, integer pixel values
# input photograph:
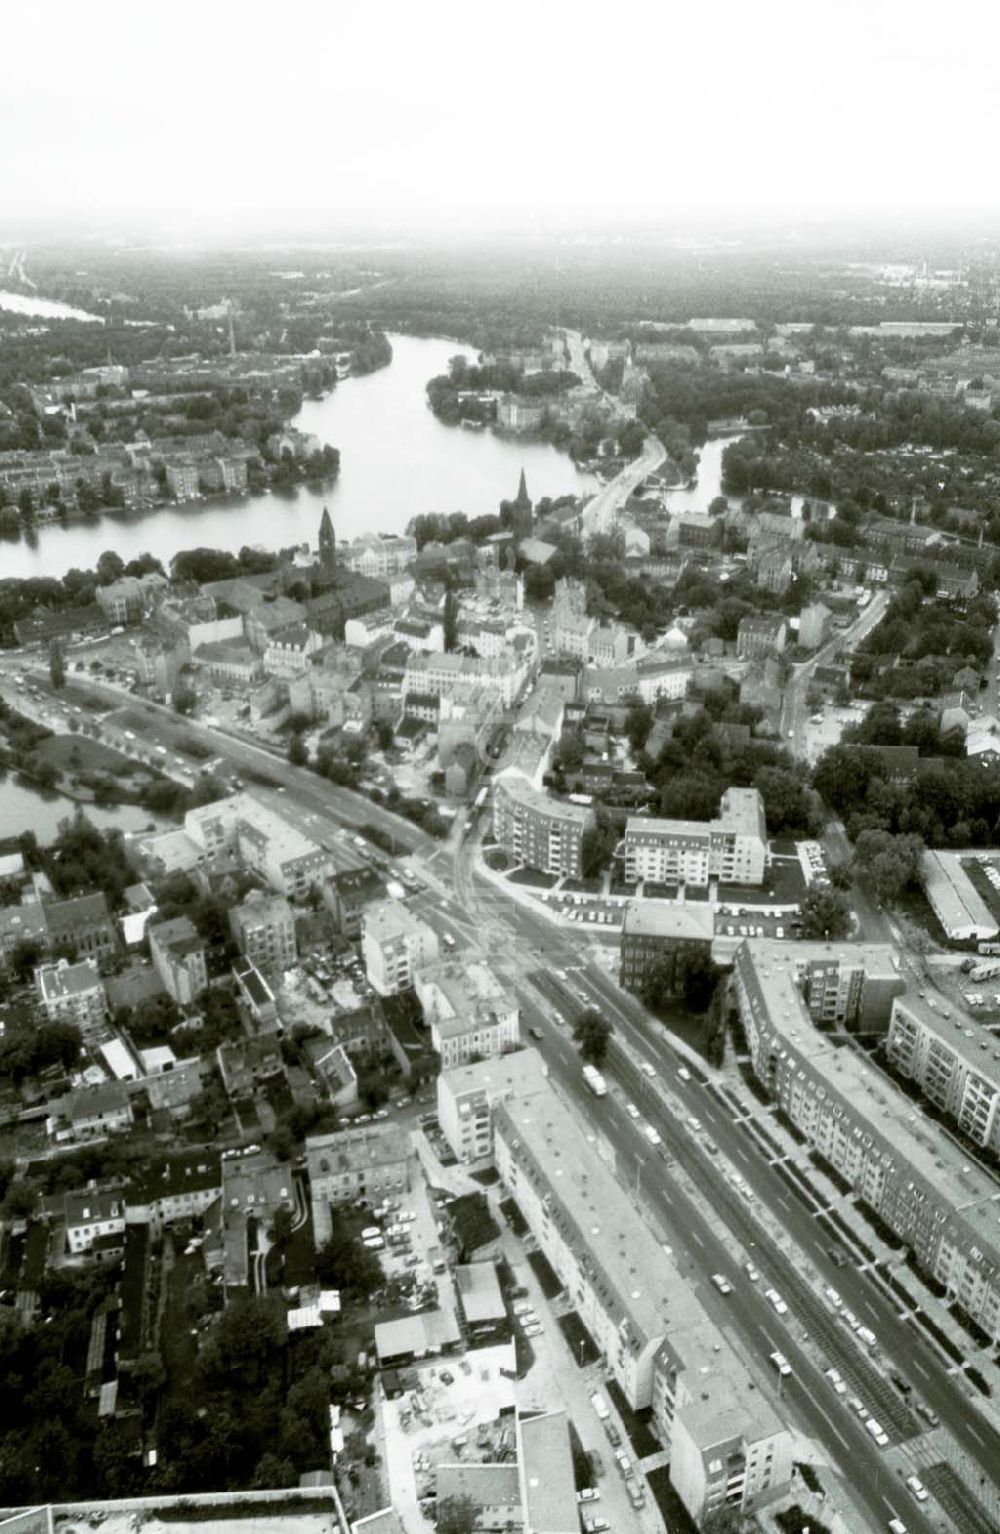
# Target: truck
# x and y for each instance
(595, 1081)
(985, 971)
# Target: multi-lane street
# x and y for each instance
(601, 510)
(535, 948)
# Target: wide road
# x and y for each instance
(300, 789)
(601, 510)
(646, 1172)
(795, 702)
(535, 944)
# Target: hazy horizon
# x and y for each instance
(212, 124)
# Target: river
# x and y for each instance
(396, 460)
(44, 308)
(23, 808)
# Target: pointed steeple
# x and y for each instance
(523, 498)
(327, 541)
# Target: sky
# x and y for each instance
(531, 115)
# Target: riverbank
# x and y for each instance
(397, 461)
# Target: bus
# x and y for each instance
(595, 1081)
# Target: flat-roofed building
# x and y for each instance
(467, 1008)
(732, 848)
(919, 1182)
(395, 944)
(285, 858)
(545, 1466)
(466, 1095)
(72, 993)
(658, 1342)
(264, 930)
(538, 830)
(351, 1164)
(954, 1059)
(669, 938)
(957, 904)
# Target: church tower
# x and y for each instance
(327, 542)
(523, 518)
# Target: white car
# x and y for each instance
(836, 1381)
(588, 1494)
(684, 1073)
(777, 1302)
(694, 1124)
(878, 1432)
(722, 1283)
(533, 1329)
(632, 1110)
(751, 1272)
(652, 1135)
(646, 1068)
(917, 1487)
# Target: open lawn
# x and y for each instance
(78, 753)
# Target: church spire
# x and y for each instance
(523, 498)
(327, 541)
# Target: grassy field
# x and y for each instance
(78, 753)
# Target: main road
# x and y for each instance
(601, 510)
(532, 944)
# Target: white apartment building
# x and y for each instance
(468, 1010)
(264, 928)
(284, 857)
(377, 556)
(466, 1095)
(726, 1444)
(395, 944)
(935, 1200)
(72, 993)
(178, 955)
(504, 676)
(93, 1215)
(352, 1164)
(954, 1060)
(731, 849)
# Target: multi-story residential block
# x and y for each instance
(178, 955)
(667, 937)
(468, 1010)
(726, 1445)
(395, 944)
(264, 930)
(178, 1187)
(287, 860)
(90, 1112)
(347, 893)
(374, 555)
(937, 1202)
(290, 650)
(732, 848)
(466, 1095)
(353, 1164)
(72, 993)
(504, 676)
(230, 661)
(183, 479)
(954, 1060)
(761, 636)
(537, 830)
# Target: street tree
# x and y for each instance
(456, 1515)
(826, 915)
(57, 666)
(592, 1032)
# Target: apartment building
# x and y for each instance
(466, 1095)
(377, 556)
(83, 923)
(468, 1010)
(395, 944)
(94, 1217)
(72, 993)
(915, 1178)
(758, 637)
(355, 1163)
(263, 928)
(537, 830)
(732, 848)
(726, 1444)
(178, 955)
(953, 1059)
(504, 676)
(283, 856)
(347, 893)
(670, 937)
